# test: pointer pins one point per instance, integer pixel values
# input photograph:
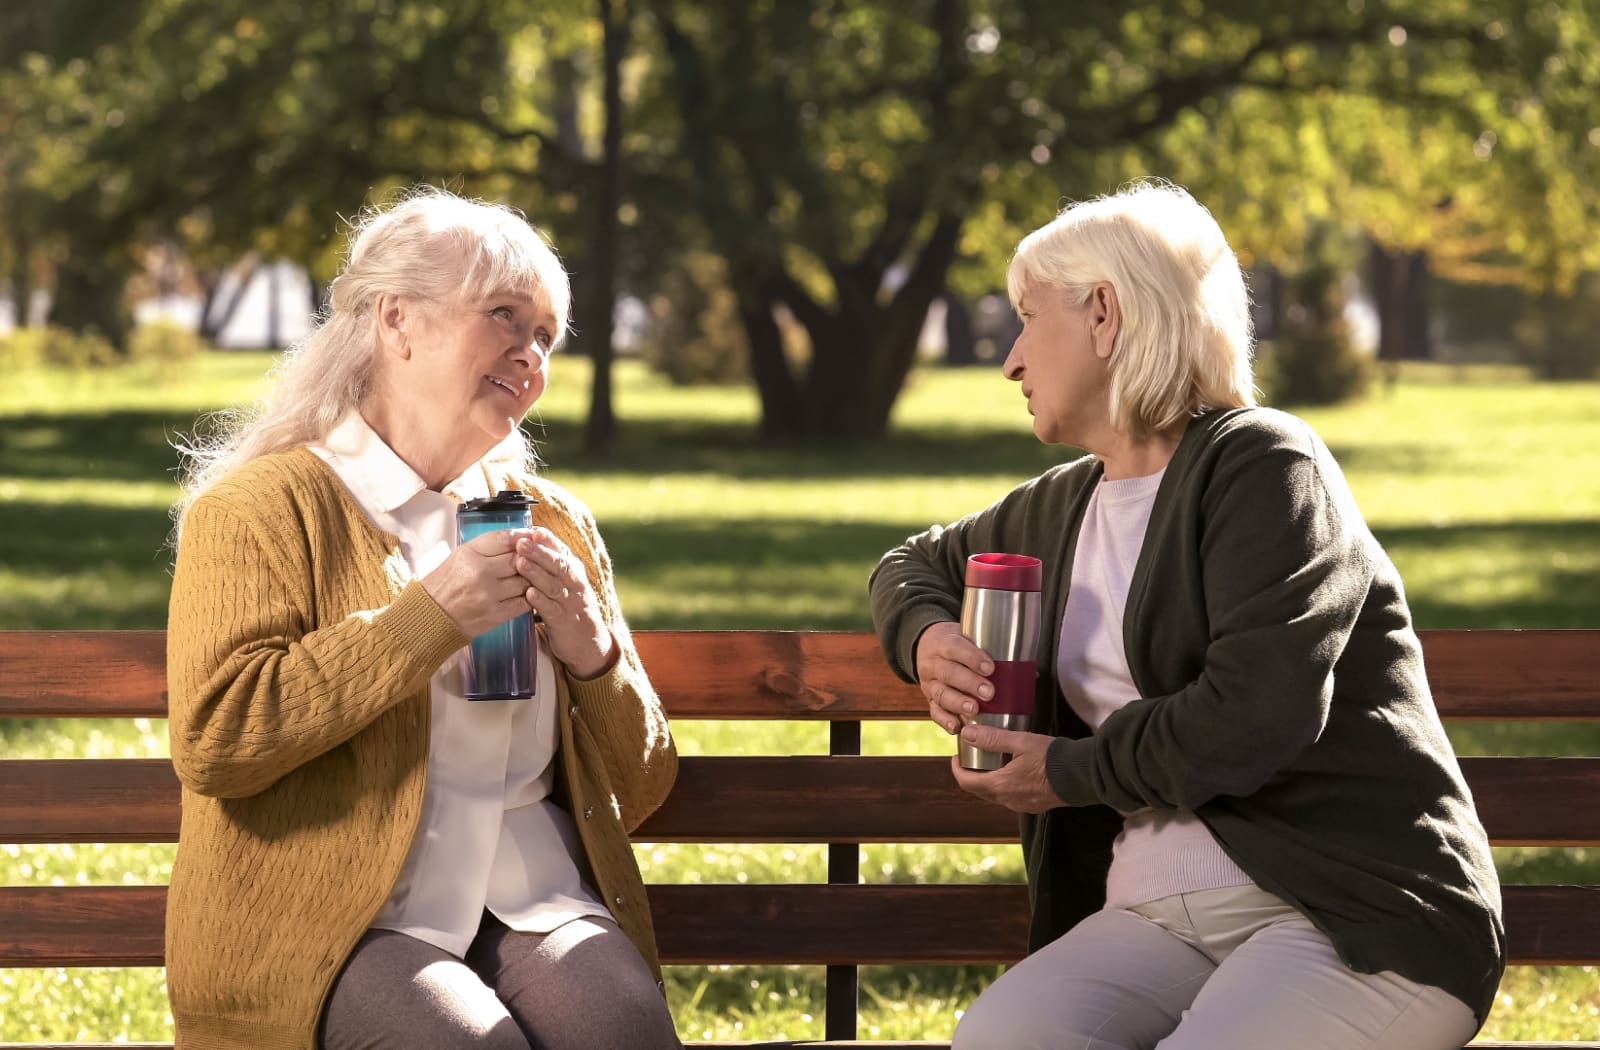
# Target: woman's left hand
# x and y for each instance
(560, 592)
(1020, 785)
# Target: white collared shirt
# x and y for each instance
(490, 835)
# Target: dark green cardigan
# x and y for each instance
(1282, 692)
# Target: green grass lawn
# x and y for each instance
(1482, 491)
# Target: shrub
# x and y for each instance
(164, 344)
(1314, 359)
(56, 347)
(1559, 336)
(695, 336)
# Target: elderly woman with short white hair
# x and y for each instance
(1243, 824)
(367, 857)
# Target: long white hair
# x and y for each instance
(431, 247)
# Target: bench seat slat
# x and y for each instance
(778, 1045)
(1523, 801)
(784, 1044)
(745, 924)
(1488, 674)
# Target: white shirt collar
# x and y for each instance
(383, 482)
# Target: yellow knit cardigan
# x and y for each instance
(299, 650)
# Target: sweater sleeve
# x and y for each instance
(255, 690)
(1286, 567)
(920, 582)
(637, 749)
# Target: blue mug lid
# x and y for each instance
(504, 500)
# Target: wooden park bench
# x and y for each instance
(841, 799)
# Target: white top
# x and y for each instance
(1160, 853)
(490, 836)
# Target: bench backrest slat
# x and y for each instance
(1544, 675)
(1523, 801)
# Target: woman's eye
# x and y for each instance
(502, 312)
(544, 340)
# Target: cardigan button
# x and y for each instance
(618, 900)
(573, 711)
(588, 812)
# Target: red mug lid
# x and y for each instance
(1004, 572)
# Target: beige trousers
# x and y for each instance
(1225, 969)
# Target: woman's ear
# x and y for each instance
(1105, 319)
(394, 317)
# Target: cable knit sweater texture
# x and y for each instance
(300, 647)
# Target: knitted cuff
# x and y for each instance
(421, 629)
(1068, 766)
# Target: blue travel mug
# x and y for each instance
(501, 661)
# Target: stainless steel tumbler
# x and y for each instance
(501, 661)
(1000, 614)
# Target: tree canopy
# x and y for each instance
(846, 160)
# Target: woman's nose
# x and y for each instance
(530, 354)
(1012, 366)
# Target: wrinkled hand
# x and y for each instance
(558, 589)
(1019, 785)
(477, 585)
(951, 671)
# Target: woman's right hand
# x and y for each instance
(478, 585)
(951, 670)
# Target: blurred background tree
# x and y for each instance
(846, 164)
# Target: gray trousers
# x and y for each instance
(583, 986)
(1234, 967)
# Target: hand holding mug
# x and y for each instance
(556, 585)
(477, 586)
(952, 673)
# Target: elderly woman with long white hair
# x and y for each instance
(1243, 824)
(367, 857)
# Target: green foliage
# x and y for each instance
(815, 147)
(55, 347)
(168, 346)
(1314, 360)
(1559, 336)
(694, 334)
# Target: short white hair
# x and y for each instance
(1186, 338)
(431, 247)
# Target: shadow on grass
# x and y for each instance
(750, 574)
(133, 445)
(75, 565)
(738, 572)
(1561, 595)
(77, 537)
(658, 447)
(104, 446)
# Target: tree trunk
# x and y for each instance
(600, 434)
(857, 375)
(782, 407)
(90, 295)
(213, 322)
(22, 279)
(960, 342)
(274, 308)
(1400, 298)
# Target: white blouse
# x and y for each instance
(490, 835)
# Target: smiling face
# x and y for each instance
(462, 374)
(1058, 361)
(485, 362)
